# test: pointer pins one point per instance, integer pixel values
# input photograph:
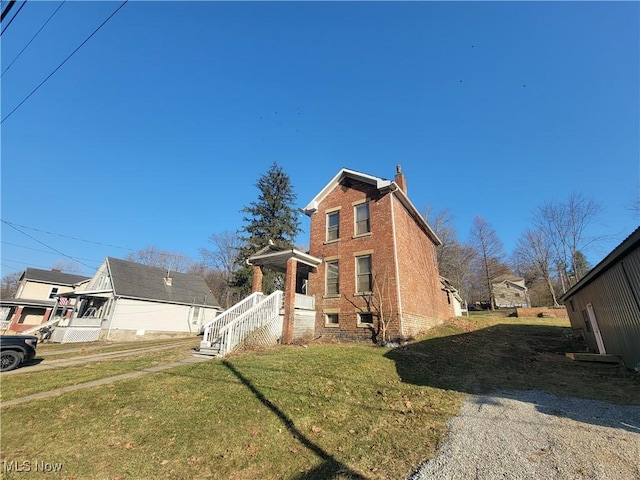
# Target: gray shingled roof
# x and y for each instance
(52, 276)
(134, 280)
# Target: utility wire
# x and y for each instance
(6, 9)
(64, 61)
(32, 38)
(65, 236)
(50, 247)
(12, 18)
(92, 268)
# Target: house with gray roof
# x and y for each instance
(126, 301)
(37, 300)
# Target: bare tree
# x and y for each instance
(173, 261)
(490, 253)
(222, 259)
(454, 258)
(566, 224)
(535, 252)
(442, 224)
(9, 285)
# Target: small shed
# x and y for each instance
(604, 307)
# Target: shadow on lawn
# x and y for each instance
(330, 467)
(507, 358)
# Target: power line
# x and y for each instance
(50, 247)
(64, 61)
(43, 251)
(7, 8)
(12, 18)
(92, 268)
(32, 38)
(65, 236)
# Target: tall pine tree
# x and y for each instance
(272, 217)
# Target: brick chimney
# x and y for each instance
(400, 180)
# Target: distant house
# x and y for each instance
(510, 292)
(604, 306)
(126, 300)
(454, 301)
(36, 299)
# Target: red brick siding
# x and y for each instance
(424, 304)
(347, 303)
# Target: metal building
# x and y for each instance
(605, 305)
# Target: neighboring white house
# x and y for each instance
(126, 301)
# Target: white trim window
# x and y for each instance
(333, 277)
(333, 225)
(361, 216)
(364, 278)
(53, 292)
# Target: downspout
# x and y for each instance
(395, 259)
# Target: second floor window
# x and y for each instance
(364, 279)
(333, 273)
(333, 226)
(362, 219)
(54, 292)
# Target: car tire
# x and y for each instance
(9, 360)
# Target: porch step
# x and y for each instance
(207, 352)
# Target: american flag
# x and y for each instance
(64, 301)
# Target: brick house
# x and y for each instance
(378, 260)
(371, 273)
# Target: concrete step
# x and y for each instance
(207, 352)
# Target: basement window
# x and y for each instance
(365, 318)
(331, 319)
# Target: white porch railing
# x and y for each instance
(212, 329)
(35, 328)
(305, 302)
(261, 315)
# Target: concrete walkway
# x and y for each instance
(188, 359)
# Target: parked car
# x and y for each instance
(16, 350)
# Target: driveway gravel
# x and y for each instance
(535, 435)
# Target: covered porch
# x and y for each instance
(298, 307)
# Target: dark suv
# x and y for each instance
(15, 350)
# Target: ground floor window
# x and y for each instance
(365, 318)
(331, 319)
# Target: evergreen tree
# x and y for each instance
(272, 217)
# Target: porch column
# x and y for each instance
(289, 301)
(16, 317)
(256, 284)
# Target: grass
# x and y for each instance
(319, 412)
(16, 386)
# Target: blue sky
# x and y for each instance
(155, 132)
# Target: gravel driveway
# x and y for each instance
(534, 435)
